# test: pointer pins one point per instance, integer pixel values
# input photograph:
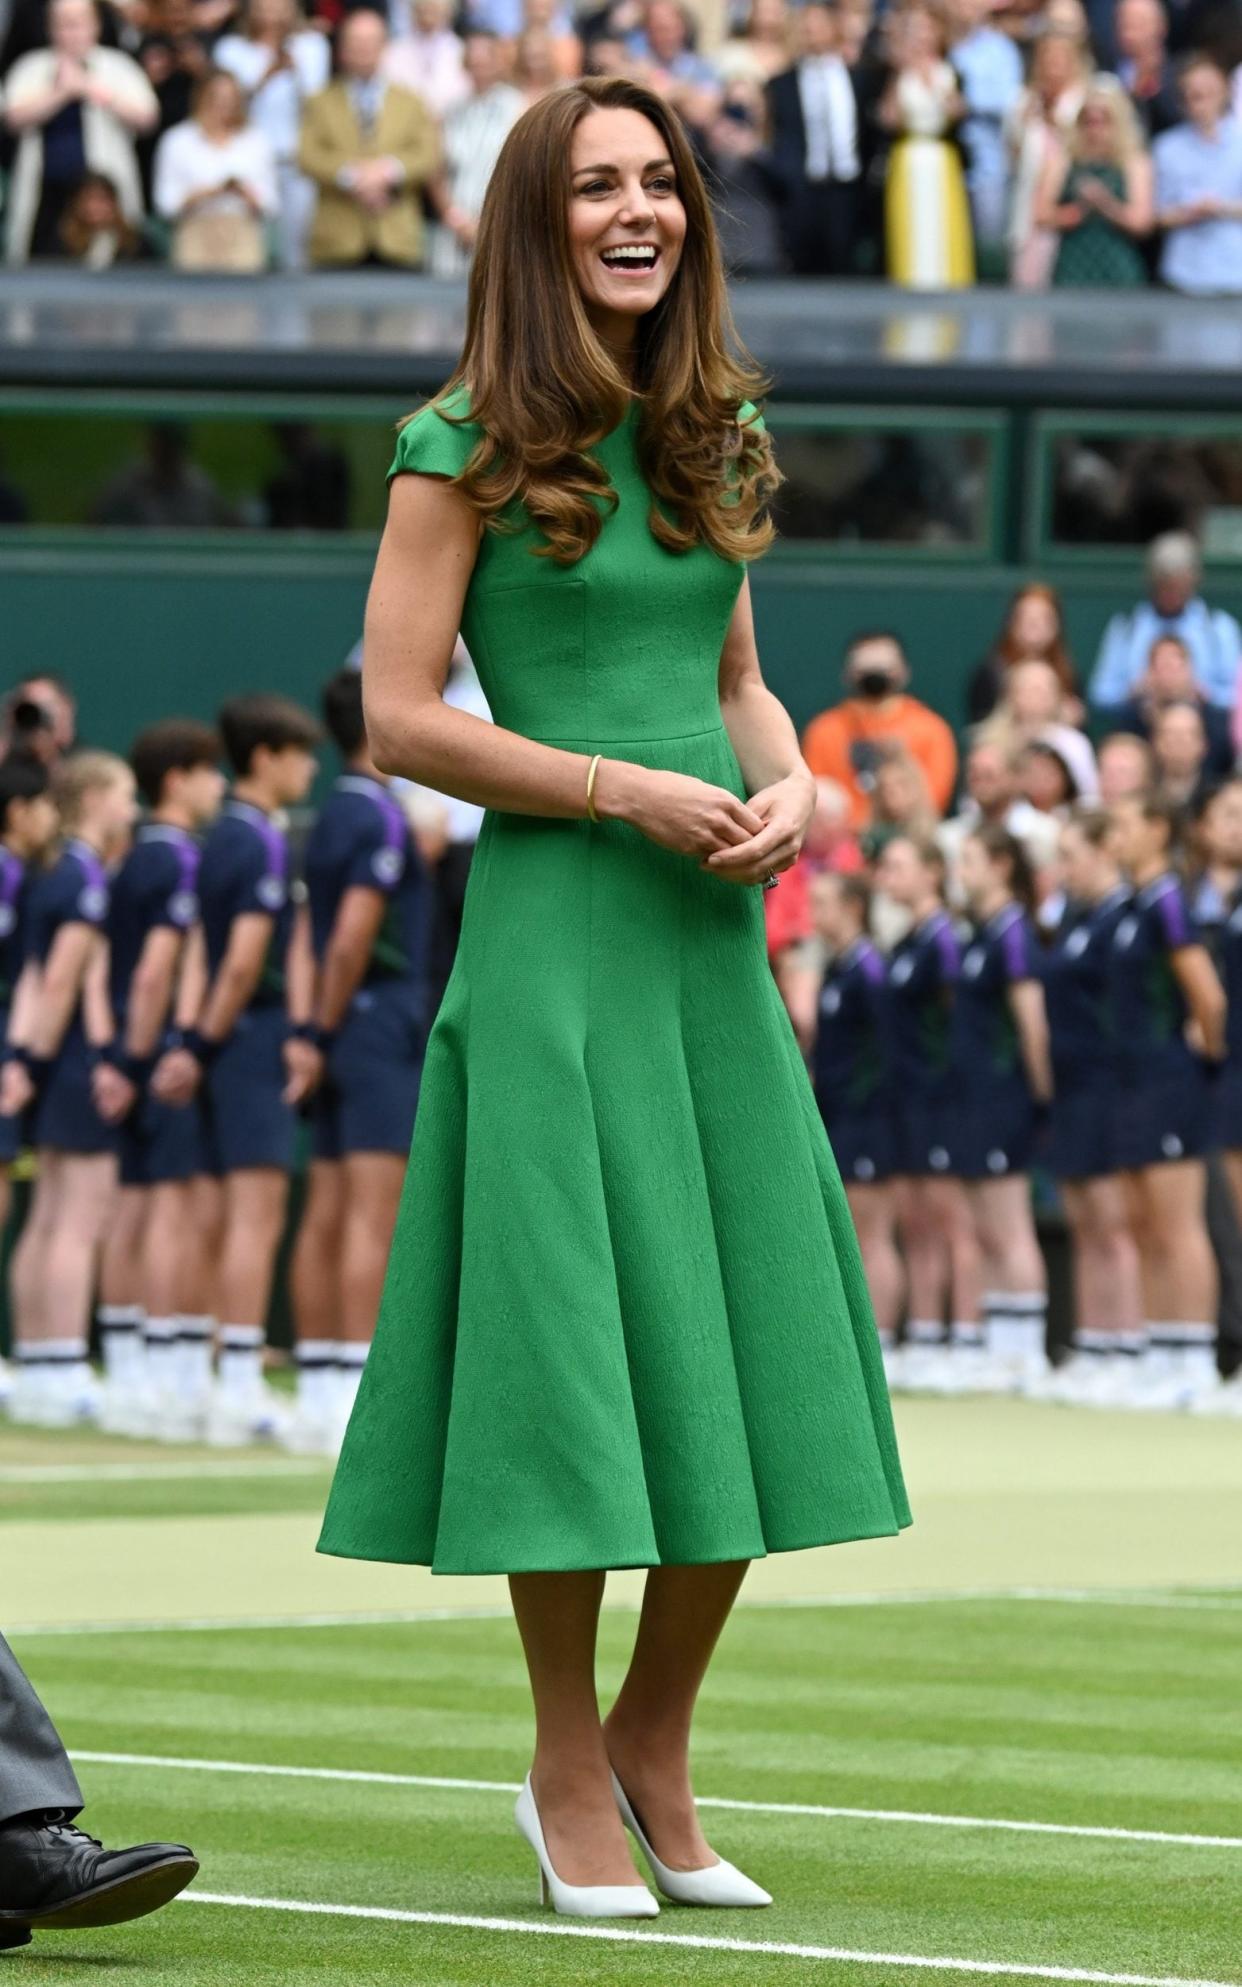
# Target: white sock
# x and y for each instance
(241, 1358)
(192, 1358)
(161, 1349)
(120, 1338)
(317, 1372)
(965, 1331)
(924, 1331)
(1015, 1323)
(1193, 1348)
(68, 1366)
(351, 1358)
(35, 1370)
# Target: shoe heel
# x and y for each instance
(543, 1887)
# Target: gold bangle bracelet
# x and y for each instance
(590, 794)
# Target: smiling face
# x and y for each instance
(627, 223)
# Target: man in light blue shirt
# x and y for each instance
(1174, 606)
(989, 69)
(1199, 187)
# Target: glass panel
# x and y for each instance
(903, 486)
(239, 473)
(1110, 489)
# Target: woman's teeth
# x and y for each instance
(636, 261)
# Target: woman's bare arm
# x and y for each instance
(414, 610)
(779, 782)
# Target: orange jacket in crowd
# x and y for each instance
(827, 742)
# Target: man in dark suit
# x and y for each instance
(817, 146)
(53, 1876)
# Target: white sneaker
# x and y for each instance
(33, 1405)
(239, 1420)
(126, 1410)
(8, 1380)
(922, 1368)
(1224, 1399)
(305, 1434)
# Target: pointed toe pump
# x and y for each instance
(578, 1900)
(718, 1884)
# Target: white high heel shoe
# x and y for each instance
(717, 1884)
(578, 1900)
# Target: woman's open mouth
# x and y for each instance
(631, 258)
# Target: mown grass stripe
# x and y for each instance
(1222, 1600)
(761, 1948)
(904, 1816)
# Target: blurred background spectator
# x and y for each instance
(215, 182)
(473, 134)
(74, 107)
(425, 56)
(1097, 197)
(927, 232)
(816, 145)
(280, 63)
(370, 147)
(847, 743)
(1033, 630)
(1199, 187)
(1174, 606)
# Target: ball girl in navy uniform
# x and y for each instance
(1108, 1305)
(941, 1251)
(155, 1334)
(1003, 1073)
(60, 1023)
(370, 917)
(1169, 1011)
(851, 1067)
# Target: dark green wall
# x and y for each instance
(144, 633)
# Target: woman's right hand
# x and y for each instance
(676, 810)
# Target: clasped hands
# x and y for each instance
(778, 816)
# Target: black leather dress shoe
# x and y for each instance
(54, 1877)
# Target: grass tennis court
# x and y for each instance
(1100, 1710)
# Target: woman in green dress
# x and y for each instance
(625, 1322)
(1098, 200)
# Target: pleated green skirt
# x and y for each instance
(625, 1322)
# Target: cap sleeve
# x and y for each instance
(428, 445)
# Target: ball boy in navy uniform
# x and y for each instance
(853, 1082)
(1164, 989)
(370, 914)
(251, 1075)
(28, 823)
(59, 1025)
(156, 1341)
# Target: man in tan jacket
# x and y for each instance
(370, 147)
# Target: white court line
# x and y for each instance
(53, 1473)
(910, 1817)
(1222, 1600)
(764, 1948)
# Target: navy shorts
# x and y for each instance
(64, 1117)
(245, 1123)
(1084, 1126)
(995, 1133)
(369, 1094)
(924, 1137)
(1163, 1114)
(14, 1137)
(160, 1143)
(862, 1145)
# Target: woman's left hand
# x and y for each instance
(786, 808)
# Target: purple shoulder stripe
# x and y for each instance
(1174, 916)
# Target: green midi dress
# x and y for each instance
(624, 1321)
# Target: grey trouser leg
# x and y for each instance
(34, 1766)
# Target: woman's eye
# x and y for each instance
(663, 181)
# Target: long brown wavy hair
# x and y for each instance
(544, 388)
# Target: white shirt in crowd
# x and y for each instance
(473, 136)
(461, 819)
(187, 161)
(830, 116)
(276, 107)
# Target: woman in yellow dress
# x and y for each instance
(928, 239)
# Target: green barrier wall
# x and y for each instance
(146, 633)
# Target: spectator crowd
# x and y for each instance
(1030, 969)
(931, 142)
